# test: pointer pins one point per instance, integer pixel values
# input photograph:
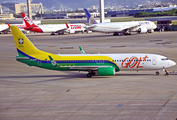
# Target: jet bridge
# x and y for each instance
(164, 22)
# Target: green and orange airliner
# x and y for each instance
(101, 64)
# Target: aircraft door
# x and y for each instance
(153, 60)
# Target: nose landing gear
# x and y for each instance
(163, 70)
(157, 73)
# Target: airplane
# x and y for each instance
(52, 28)
(119, 27)
(5, 29)
(101, 64)
(73, 28)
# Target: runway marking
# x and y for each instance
(155, 40)
(117, 104)
(120, 105)
(66, 47)
(171, 39)
(119, 46)
(167, 42)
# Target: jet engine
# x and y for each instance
(106, 71)
(142, 30)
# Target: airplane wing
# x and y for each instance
(61, 30)
(54, 63)
(90, 27)
(130, 28)
(87, 67)
(5, 30)
(67, 27)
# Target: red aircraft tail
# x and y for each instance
(28, 22)
(67, 25)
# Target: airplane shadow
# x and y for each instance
(51, 78)
(47, 76)
(135, 74)
(67, 76)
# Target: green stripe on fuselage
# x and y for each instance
(65, 64)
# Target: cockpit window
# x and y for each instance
(164, 59)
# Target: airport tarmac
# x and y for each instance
(30, 93)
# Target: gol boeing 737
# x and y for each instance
(101, 64)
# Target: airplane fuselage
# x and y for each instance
(56, 28)
(122, 26)
(121, 62)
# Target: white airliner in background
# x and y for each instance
(119, 27)
(52, 28)
(5, 28)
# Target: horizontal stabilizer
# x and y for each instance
(22, 58)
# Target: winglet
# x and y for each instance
(81, 50)
(8, 25)
(54, 63)
(67, 25)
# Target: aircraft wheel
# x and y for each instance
(119, 34)
(157, 73)
(93, 73)
(115, 34)
(52, 33)
(89, 75)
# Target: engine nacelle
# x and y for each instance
(106, 71)
(72, 32)
(142, 30)
(150, 31)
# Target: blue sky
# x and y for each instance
(16, 1)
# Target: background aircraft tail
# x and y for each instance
(23, 44)
(28, 22)
(90, 19)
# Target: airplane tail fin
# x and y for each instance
(90, 19)
(67, 25)
(23, 44)
(28, 22)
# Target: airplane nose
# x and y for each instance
(172, 63)
(155, 26)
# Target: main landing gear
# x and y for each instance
(90, 74)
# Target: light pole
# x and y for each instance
(29, 9)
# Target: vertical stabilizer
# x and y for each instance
(90, 19)
(23, 44)
(28, 22)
